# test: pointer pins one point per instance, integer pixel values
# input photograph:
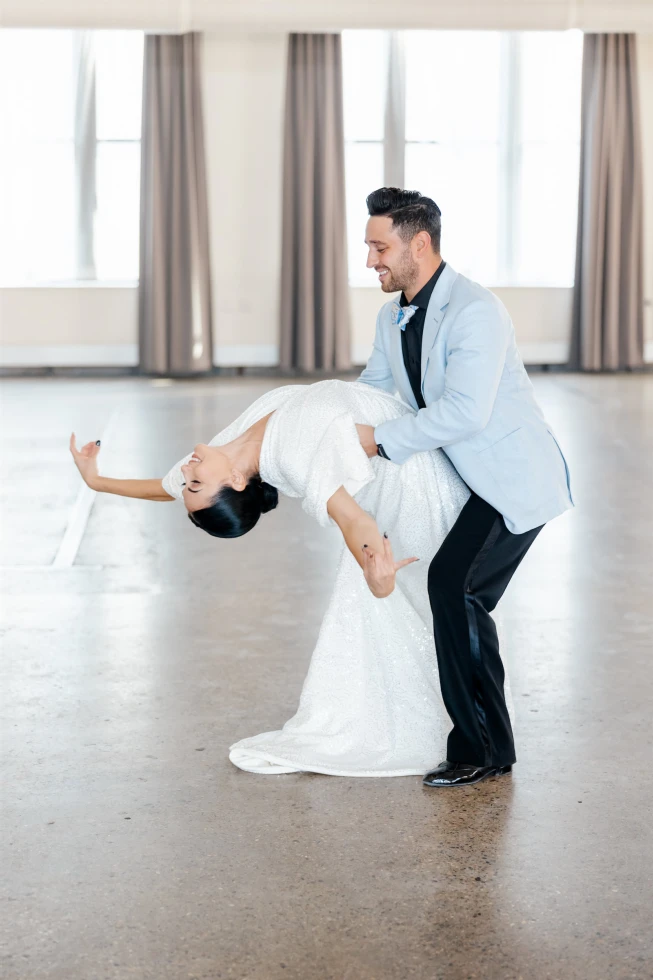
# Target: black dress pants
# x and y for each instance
(467, 577)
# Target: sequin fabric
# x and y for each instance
(371, 702)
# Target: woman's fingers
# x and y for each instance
(369, 553)
(387, 547)
(405, 561)
(387, 551)
(85, 449)
(88, 451)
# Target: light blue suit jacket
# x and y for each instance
(480, 405)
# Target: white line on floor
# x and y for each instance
(49, 568)
(78, 520)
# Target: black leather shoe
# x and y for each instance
(461, 774)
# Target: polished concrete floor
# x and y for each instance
(136, 649)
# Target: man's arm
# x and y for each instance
(476, 356)
(377, 371)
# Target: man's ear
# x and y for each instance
(422, 242)
(238, 481)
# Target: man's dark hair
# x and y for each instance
(232, 513)
(410, 212)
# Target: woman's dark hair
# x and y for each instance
(235, 512)
(410, 212)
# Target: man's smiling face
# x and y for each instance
(390, 255)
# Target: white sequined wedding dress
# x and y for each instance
(371, 702)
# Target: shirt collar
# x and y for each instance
(422, 298)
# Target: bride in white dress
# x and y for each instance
(371, 702)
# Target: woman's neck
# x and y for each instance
(245, 451)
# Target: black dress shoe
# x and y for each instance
(461, 774)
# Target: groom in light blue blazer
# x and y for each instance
(447, 346)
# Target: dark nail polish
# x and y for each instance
(97, 442)
(385, 534)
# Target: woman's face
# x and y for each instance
(205, 473)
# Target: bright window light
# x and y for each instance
(364, 57)
(119, 78)
(37, 156)
(38, 195)
(452, 139)
(492, 134)
(549, 151)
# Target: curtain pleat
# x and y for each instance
(314, 278)
(175, 336)
(608, 308)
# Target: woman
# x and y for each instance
(371, 704)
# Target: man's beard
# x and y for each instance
(403, 276)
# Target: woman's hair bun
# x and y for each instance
(233, 513)
(269, 497)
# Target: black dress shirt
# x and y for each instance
(411, 337)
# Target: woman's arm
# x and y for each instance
(143, 489)
(86, 462)
(371, 550)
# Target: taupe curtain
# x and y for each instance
(314, 279)
(175, 285)
(608, 313)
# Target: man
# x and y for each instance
(448, 347)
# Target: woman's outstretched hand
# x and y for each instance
(380, 569)
(86, 460)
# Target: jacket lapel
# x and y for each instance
(435, 315)
(399, 372)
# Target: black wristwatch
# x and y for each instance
(380, 451)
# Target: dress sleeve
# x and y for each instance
(339, 460)
(173, 481)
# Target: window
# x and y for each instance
(491, 133)
(70, 155)
(119, 74)
(364, 55)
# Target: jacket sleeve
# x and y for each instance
(378, 372)
(476, 353)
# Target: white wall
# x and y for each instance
(316, 15)
(64, 326)
(97, 326)
(244, 79)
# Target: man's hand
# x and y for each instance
(86, 460)
(380, 570)
(367, 440)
